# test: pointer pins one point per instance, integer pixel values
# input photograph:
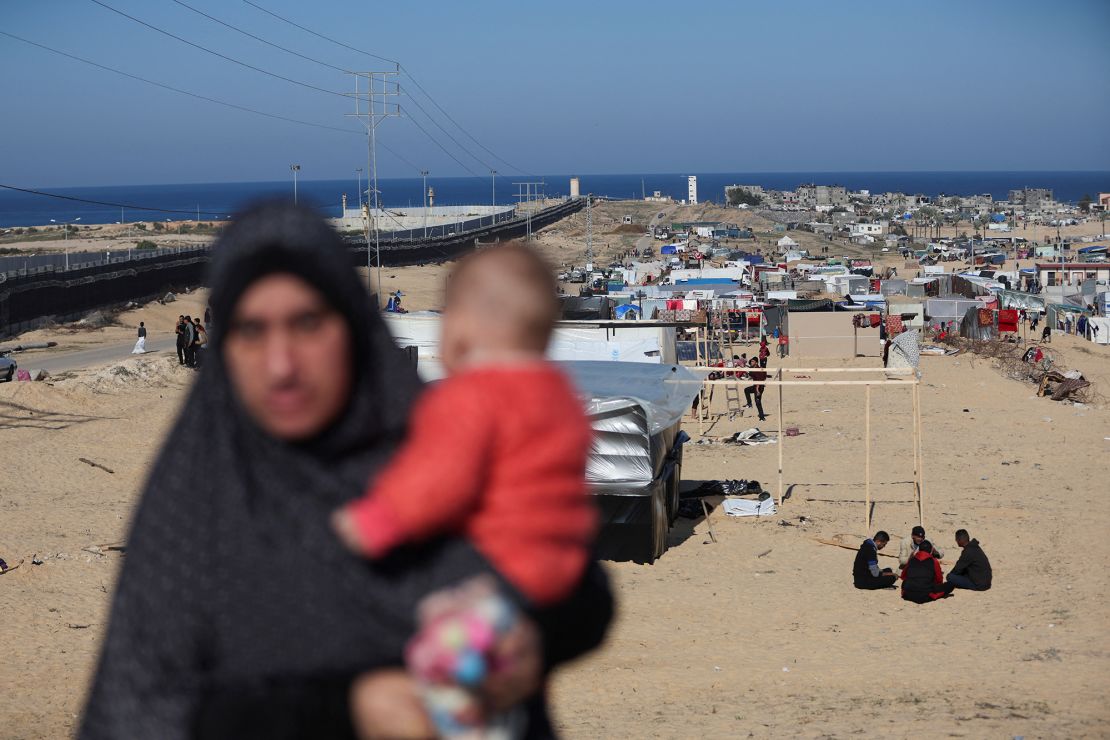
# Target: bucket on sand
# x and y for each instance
(792, 432)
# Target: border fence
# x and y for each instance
(29, 297)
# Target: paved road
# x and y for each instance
(58, 362)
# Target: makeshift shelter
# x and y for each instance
(979, 324)
(635, 465)
(586, 307)
(627, 312)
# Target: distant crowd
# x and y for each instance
(192, 339)
(922, 578)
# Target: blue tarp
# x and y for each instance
(668, 249)
(627, 311)
(998, 218)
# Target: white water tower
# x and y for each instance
(692, 190)
(574, 192)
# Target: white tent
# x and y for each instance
(787, 243)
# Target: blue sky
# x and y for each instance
(601, 87)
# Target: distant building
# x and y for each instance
(1031, 199)
(692, 190)
(1103, 202)
(574, 187)
(1048, 273)
(812, 196)
(657, 197)
(867, 229)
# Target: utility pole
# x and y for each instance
(589, 234)
(493, 201)
(358, 170)
(296, 168)
(424, 188)
(379, 89)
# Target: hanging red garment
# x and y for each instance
(986, 317)
(876, 319)
(894, 326)
(1008, 320)
(674, 305)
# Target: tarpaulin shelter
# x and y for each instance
(635, 465)
(627, 312)
(979, 323)
(588, 308)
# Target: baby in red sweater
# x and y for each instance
(497, 451)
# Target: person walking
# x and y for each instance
(755, 390)
(202, 640)
(140, 343)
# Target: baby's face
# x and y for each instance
(485, 314)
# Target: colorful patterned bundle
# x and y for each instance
(453, 653)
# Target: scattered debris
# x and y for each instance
(168, 298)
(96, 465)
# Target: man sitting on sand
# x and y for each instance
(922, 580)
(973, 570)
(908, 548)
(865, 571)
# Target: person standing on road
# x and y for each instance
(180, 332)
(199, 343)
(190, 334)
(140, 343)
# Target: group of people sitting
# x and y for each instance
(921, 575)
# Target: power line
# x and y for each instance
(260, 39)
(399, 67)
(320, 35)
(114, 205)
(445, 151)
(458, 126)
(198, 96)
(179, 90)
(216, 53)
(338, 69)
(447, 133)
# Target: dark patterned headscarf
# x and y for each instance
(233, 583)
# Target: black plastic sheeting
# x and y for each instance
(587, 308)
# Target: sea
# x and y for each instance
(213, 201)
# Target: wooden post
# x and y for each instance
(921, 459)
(867, 460)
(913, 443)
(780, 438)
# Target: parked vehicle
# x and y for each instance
(8, 366)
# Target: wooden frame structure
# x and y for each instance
(915, 400)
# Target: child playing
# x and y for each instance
(496, 452)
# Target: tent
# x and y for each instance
(627, 312)
(635, 466)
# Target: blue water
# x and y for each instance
(219, 200)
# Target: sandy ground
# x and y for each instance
(759, 634)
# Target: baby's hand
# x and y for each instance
(344, 526)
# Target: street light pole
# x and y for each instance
(359, 171)
(65, 229)
(424, 186)
(296, 168)
(493, 202)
